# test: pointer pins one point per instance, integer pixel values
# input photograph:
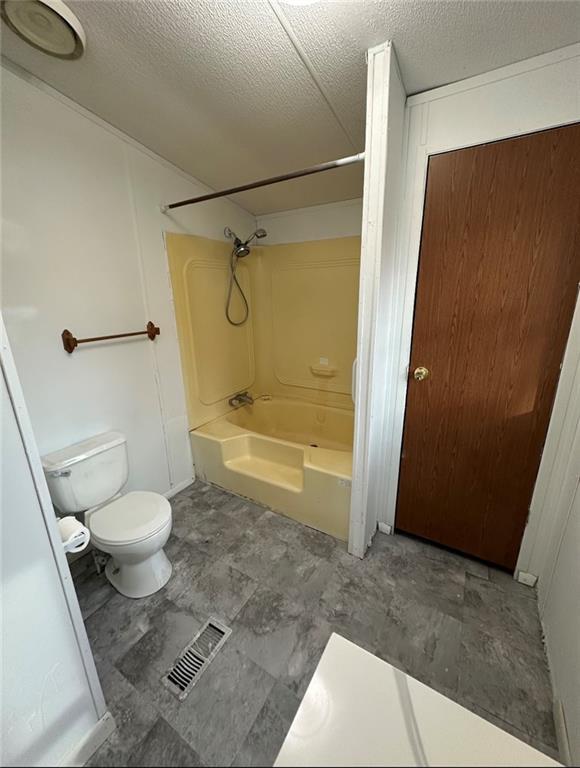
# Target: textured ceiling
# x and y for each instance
(235, 90)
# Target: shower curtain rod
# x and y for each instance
(265, 182)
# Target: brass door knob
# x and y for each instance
(420, 373)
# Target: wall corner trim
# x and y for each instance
(179, 487)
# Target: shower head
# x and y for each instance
(241, 247)
(259, 234)
(242, 250)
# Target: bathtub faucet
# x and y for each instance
(242, 398)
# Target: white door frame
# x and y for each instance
(383, 157)
(533, 95)
(105, 724)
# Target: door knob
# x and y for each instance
(420, 373)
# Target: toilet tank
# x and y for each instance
(88, 473)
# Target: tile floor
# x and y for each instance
(465, 629)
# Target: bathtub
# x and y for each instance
(292, 456)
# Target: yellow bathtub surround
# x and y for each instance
(305, 319)
(300, 338)
(259, 451)
(217, 358)
(292, 449)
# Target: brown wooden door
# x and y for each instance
(498, 276)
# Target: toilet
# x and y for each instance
(132, 527)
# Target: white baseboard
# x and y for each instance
(89, 745)
(562, 733)
(385, 528)
(179, 487)
(527, 578)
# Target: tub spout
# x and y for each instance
(242, 398)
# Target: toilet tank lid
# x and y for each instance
(65, 457)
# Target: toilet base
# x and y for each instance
(139, 579)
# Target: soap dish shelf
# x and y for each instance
(325, 371)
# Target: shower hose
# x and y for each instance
(234, 281)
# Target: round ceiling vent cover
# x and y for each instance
(47, 25)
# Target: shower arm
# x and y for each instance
(328, 166)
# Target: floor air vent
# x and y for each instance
(195, 658)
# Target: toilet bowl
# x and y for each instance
(133, 527)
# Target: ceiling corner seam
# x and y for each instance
(287, 27)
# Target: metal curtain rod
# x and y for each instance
(265, 182)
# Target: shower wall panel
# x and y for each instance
(217, 358)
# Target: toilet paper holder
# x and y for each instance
(75, 536)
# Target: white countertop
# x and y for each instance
(360, 711)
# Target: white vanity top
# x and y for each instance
(360, 711)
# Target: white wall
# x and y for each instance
(318, 222)
(83, 249)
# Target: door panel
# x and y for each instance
(498, 276)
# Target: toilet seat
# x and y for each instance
(134, 517)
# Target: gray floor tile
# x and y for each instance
(80, 566)
(213, 520)
(205, 496)
(476, 568)
(354, 605)
(317, 543)
(423, 642)
(214, 528)
(165, 748)
(512, 683)
(219, 591)
(269, 730)
(277, 527)
(443, 555)
(119, 624)
(438, 583)
(508, 615)
(185, 515)
(188, 560)
(256, 553)
(266, 629)
(171, 629)
(299, 574)
(370, 575)
(219, 712)
(468, 630)
(133, 715)
(248, 511)
(507, 583)
(93, 589)
(287, 557)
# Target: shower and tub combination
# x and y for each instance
(270, 408)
